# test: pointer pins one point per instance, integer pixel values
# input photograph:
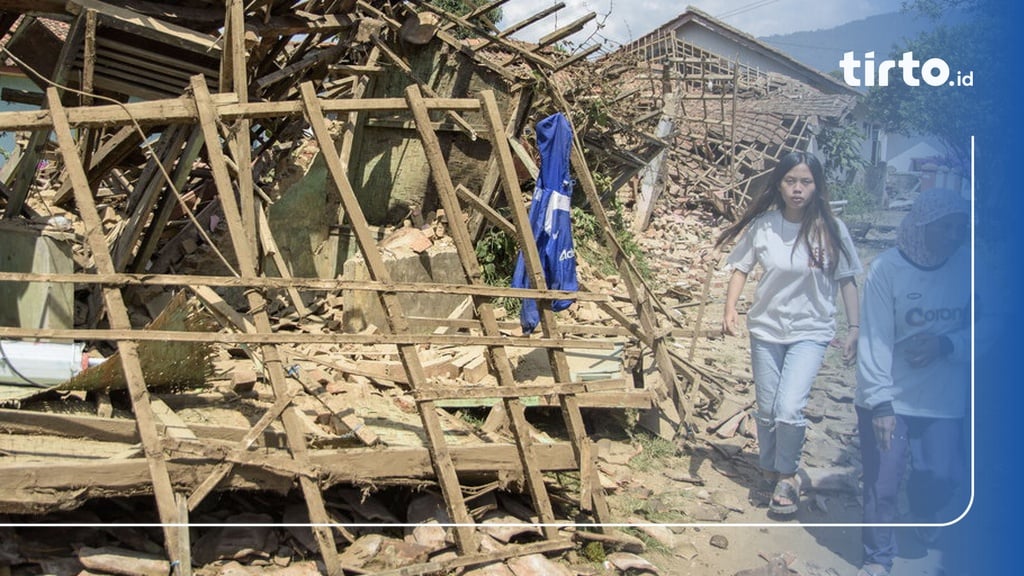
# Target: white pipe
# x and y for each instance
(41, 364)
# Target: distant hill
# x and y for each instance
(822, 49)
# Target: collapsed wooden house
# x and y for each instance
(723, 105)
(201, 196)
(298, 306)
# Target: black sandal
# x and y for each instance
(787, 488)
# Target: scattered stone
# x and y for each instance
(626, 562)
(537, 565)
(297, 569)
(776, 567)
(112, 560)
(375, 551)
(719, 541)
(727, 500)
(504, 527)
(243, 380)
(660, 534)
(686, 550)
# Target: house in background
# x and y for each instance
(716, 37)
(882, 152)
(736, 106)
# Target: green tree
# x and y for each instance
(949, 113)
(841, 147)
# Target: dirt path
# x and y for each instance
(727, 466)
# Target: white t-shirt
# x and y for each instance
(901, 301)
(794, 300)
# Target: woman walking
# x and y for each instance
(807, 257)
(914, 375)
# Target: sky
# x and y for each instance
(625, 20)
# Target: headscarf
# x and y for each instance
(931, 205)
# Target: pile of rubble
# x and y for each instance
(259, 222)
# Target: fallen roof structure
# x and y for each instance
(184, 159)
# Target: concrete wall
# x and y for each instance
(389, 171)
(439, 264)
(35, 304)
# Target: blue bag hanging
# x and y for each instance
(550, 219)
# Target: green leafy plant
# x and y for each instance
(841, 147)
(858, 199)
(594, 552)
(497, 252)
(654, 450)
(590, 243)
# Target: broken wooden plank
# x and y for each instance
(406, 339)
(484, 311)
(270, 248)
(271, 357)
(441, 456)
(434, 392)
(466, 560)
(46, 487)
(346, 416)
(118, 317)
(531, 256)
(135, 279)
(136, 23)
(224, 468)
(178, 110)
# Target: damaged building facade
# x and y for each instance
(249, 231)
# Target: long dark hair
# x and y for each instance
(818, 218)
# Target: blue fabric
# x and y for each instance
(550, 220)
(783, 375)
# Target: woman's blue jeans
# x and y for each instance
(783, 374)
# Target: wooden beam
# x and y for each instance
(135, 279)
(271, 356)
(240, 144)
(30, 6)
(268, 337)
(180, 110)
(62, 482)
(407, 69)
(117, 315)
(531, 257)
(146, 193)
(451, 565)
(516, 390)
(266, 237)
(495, 38)
(440, 455)
(292, 70)
(171, 199)
(224, 468)
(510, 30)
(565, 31)
(489, 213)
(497, 355)
(303, 23)
(149, 27)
